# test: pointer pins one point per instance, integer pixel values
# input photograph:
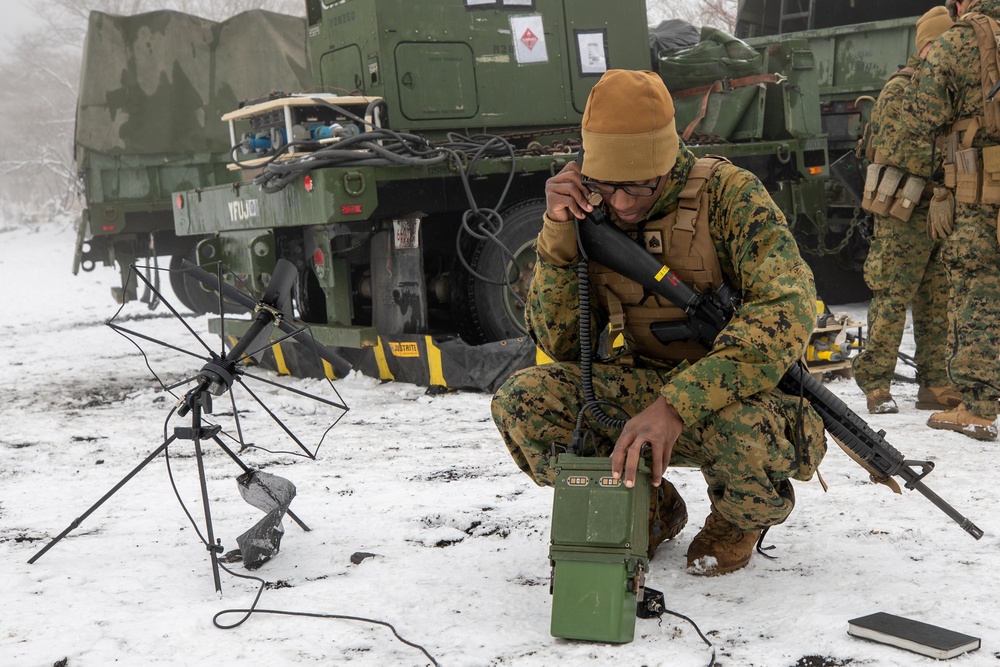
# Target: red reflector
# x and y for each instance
(308, 182)
(180, 201)
(815, 171)
(108, 228)
(351, 209)
(319, 258)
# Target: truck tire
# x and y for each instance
(178, 280)
(486, 312)
(191, 293)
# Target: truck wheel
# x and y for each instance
(485, 311)
(178, 279)
(311, 298)
(191, 293)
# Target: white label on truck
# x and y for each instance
(243, 209)
(406, 233)
(529, 39)
(593, 52)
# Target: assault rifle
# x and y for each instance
(708, 313)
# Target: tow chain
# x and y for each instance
(821, 249)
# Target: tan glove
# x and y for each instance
(940, 214)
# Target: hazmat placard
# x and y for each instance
(529, 39)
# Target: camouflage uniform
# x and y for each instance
(903, 268)
(747, 437)
(947, 88)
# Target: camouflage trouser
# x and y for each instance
(903, 270)
(971, 258)
(745, 451)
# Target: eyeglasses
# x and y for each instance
(631, 189)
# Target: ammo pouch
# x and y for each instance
(950, 175)
(967, 177)
(907, 198)
(874, 199)
(975, 181)
(991, 175)
(890, 191)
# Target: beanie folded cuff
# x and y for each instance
(629, 157)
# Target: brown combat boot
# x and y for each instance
(880, 402)
(938, 398)
(962, 421)
(720, 547)
(667, 515)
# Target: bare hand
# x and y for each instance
(659, 425)
(565, 196)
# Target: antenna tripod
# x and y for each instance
(196, 401)
(217, 377)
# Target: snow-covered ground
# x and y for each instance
(459, 535)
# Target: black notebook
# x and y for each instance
(930, 640)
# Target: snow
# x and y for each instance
(459, 535)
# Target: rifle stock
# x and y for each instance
(709, 313)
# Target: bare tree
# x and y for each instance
(36, 148)
(717, 13)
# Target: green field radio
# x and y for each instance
(598, 549)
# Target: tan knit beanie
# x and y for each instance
(628, 128)
(932, 25)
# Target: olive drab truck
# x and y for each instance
(403, 174)
(152, 89)
(407, 187)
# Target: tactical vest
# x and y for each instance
(682, 241)
(974, 173)
(987, 32)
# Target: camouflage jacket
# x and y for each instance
(892, 139)
(948, 84)
(758, 256)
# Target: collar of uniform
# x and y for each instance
(675, 183)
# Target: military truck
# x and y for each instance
(152, 89)
(406, 183)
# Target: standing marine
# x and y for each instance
(715, 409)
(949, 100)
(902, 268)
